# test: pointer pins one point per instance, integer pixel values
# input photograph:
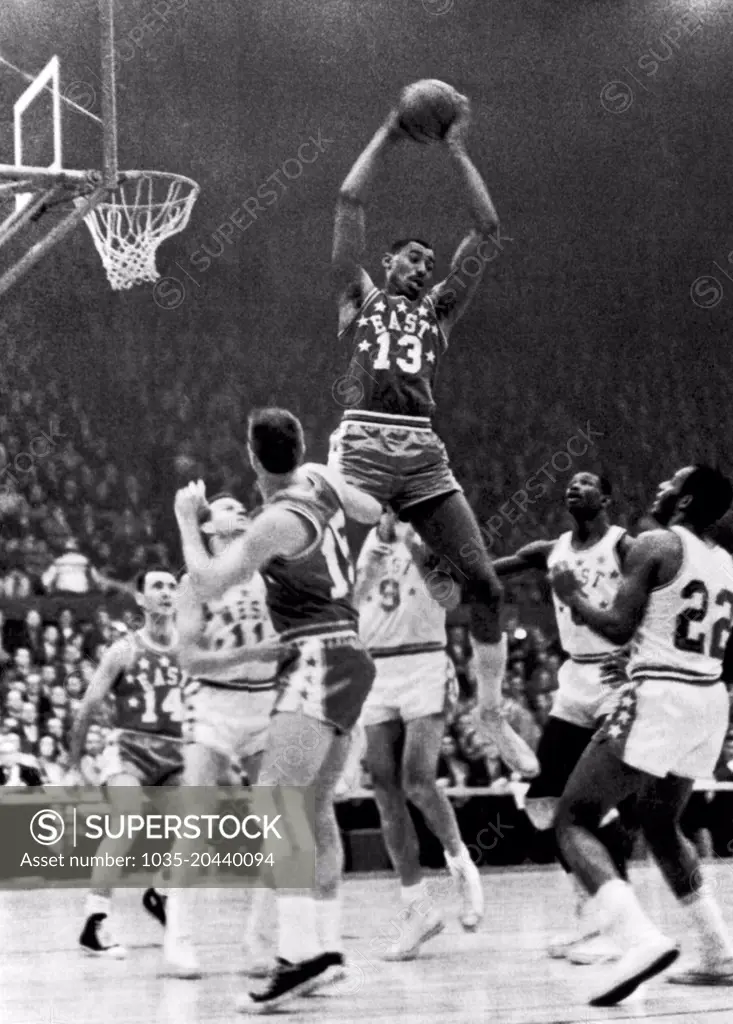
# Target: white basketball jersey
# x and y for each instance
(398, 614)
(686, 624)
(239, 619)
(598, 570)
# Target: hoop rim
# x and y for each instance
(168, 176)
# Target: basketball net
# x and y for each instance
(143, 211)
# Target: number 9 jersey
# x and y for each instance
(399, 615)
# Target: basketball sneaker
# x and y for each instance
(649, 956)
(287, 982)
(703, 971)
(95, 939)
(586, 926)
(417, 929)
(260, 958)
(466, 875)
(180, 958)
(598, 949)
(155, 903)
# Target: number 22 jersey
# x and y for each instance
(683, 634)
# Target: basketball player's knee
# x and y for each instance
(384, 777)
(418, 785)
(577, 812)
(661, 832)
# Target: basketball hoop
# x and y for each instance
(144, 210)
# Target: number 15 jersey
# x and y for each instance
(685, 628)
(312, 593)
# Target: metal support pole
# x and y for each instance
(40, 249)
(109, 91)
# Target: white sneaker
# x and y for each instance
(468, 879)
(650, 956)
(180, 958)
(586, 929)
(417, 929)
(596, 950)
(514, 752)
(96, 939)
(701, 971)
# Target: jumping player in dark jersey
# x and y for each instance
(298, 543)
(141, 674)
(385, 445)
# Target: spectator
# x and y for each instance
(52, 774)
(28, 729)
(17, 769)
(91, 762)
(71, 573)
(32, 634)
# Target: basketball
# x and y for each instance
(427, 109)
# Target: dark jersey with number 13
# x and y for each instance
(312, 594)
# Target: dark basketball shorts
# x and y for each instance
(152, 760)
(561, 747)
(400, 466)
(327, 678)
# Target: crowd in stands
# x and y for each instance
(88, 474)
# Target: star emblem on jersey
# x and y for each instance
(144, 664)
(430, 357)
(422, 310)
(380, 306)
(311, 662)
(402, 306)
(364, 346)
(362, 321)
(604, 604)
(165, 662)
(133, 702)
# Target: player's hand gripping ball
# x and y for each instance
(427, 109)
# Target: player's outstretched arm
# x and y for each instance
(532, 556)
(349, 238)
(618, 623)
(114, 660)
(452, 296)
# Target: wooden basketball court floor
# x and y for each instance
(499, 974)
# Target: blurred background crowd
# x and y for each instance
(86, 489)
(83, 512)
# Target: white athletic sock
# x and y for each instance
(707, 921)
(262, 917)
(297, 928)
(328, 913)
(621, 915)
(179, 915)
(413, 893)
(491, 662)
(96, 904)
(462, 859)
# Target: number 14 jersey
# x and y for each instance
(685, 628)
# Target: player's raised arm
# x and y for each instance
(276, 532)
(452, 296)
(351, 280)
(644, 561)
(532, 556)
(114, 661)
